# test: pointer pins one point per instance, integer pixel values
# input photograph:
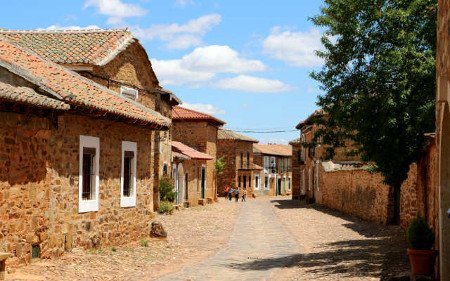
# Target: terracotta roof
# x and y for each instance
(180, 156)
(224, 134)
(273, 149)
(189, 151)
(308, 121)
(181, 113)
(91, 47)
(73, 89)
(28, 96)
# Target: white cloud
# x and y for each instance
(216, 58)
(253, 84)
(116, 10)
(205, 108)
(202, 65)
(295, 48)
(180, 36)
(170, 72)
(183, 3)
(70, 27)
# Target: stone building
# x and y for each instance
(240, 170)
(276, 176)
(77, 159)
(443, 135)
(188, 174)
(114, 59)
(199, 131)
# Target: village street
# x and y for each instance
(261, 239)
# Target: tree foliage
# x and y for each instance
(378, 79)
(219, 165)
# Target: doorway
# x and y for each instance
(202, 182)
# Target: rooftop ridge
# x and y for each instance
(39, 30)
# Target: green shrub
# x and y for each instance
(144, 242)
(166, 207)
(166, 190)
(420, 236)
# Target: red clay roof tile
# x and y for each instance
(74, 89)
(181, 113)
(190, 152)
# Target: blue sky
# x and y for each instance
(246, 62)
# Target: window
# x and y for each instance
(256, 181)
(128, 178)
(266, 182)
(273, 164)
(249, 181)
(248, 159)
(129, 92)
(245, 181)
(287, 165)
(242, 160)
(88, 174)
(266, 162)
(289, 183)
(239, 181)
(164, 171)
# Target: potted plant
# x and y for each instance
(420, 239)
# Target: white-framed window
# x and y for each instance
(88, 185)
(273, 164)
(128, 174)
(129, 92)
(266, 163)
(256, 181)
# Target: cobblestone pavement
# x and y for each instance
(261, 239)
(335, 246)
(258, 236)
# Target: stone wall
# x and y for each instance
(192, 168)
(355, 192)
(419, 193)
(39, 186)
(201, 136)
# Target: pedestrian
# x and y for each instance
(230, 193)
(226, 191)
(236, 194)
(244, 194)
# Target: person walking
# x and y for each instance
(230, 193)
(236, 194)
(244, 194)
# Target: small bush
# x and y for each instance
(144, 242)
(113, 249)
(420, 236)
(166, 190)
(166, 207)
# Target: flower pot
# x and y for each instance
(422, 261)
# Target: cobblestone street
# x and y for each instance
(272, 239)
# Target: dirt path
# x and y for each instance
(194, 234)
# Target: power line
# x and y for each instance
(265, 132)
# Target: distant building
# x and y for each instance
(240, 171)
(199, 131)
(276, 176)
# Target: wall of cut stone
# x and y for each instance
(356, 192)
(201, 136)
(39, 186)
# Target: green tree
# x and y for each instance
(219, 167)
(379, 80)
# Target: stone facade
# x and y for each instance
(39, 185)
(191, 170)
(201, 136)
(240, 170)
(276, 176)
